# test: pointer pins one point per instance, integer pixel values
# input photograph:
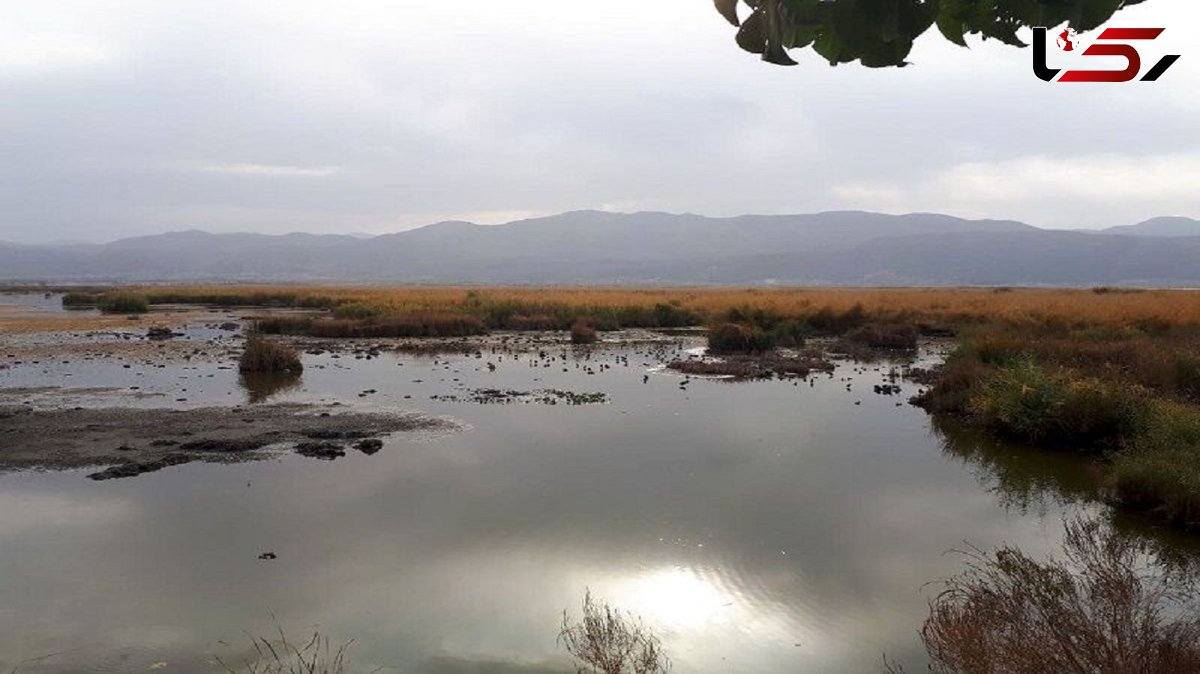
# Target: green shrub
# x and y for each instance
(1187, 375)
(124, 303)
(268, 355)
(1160, 470)
(1026, 402)
(790, 333)
(738, 338)
(80, 299)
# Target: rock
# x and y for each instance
(135, 468)
(159, 332)
(229, 326)
(369, 446)
(324, 450)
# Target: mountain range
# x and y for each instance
(595, 247)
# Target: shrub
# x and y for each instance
(954, 384)
(582, 333)
(1098, 609)
(1187, 375)
(1160, 470)
(609, 642)
(124, 303)
(1026, 402)
(80, 299)
(791, 333)
(738, 338)
(268, 355)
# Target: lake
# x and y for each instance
(765, 526)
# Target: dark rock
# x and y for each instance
(135, 468)
(369, 445)
(323, 449)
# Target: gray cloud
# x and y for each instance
(122, 118)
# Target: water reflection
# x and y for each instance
(1022, 478)
(756, 527)
(261, 386)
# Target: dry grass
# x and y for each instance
(930, 306)
(264, 355)
(1100, 609)
(582, 333)
(607, 641)
(313, 656)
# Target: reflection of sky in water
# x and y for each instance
(756, 527)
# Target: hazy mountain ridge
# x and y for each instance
(592, 247)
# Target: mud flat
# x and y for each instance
(134, 441)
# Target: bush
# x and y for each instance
(738, 338)
(1160, 470)
(954, 384)
(610, 642)
(1187, 376)
(268, 355)
(1098, 609)
(80, 299)
(124, 303)
(1026, 402)
(790, 333)
(582, 333)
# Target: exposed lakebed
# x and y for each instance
(779, 524)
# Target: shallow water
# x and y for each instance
(770, 526)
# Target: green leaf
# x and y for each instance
(753, 34)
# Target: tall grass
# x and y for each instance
(123, 303)
(316, 655)
(827, 310)
(263, 355)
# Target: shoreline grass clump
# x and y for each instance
(1027, 402)
(123, 303)
(1102, 607)
(738, 338)
(582, 332)
(263, 355)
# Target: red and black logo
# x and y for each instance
(1111, 42)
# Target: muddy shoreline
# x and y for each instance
(130, 441)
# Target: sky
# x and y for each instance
(133, 117)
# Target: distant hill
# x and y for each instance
(594, 247)
(1167, 226)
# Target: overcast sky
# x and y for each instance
(130, 117)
